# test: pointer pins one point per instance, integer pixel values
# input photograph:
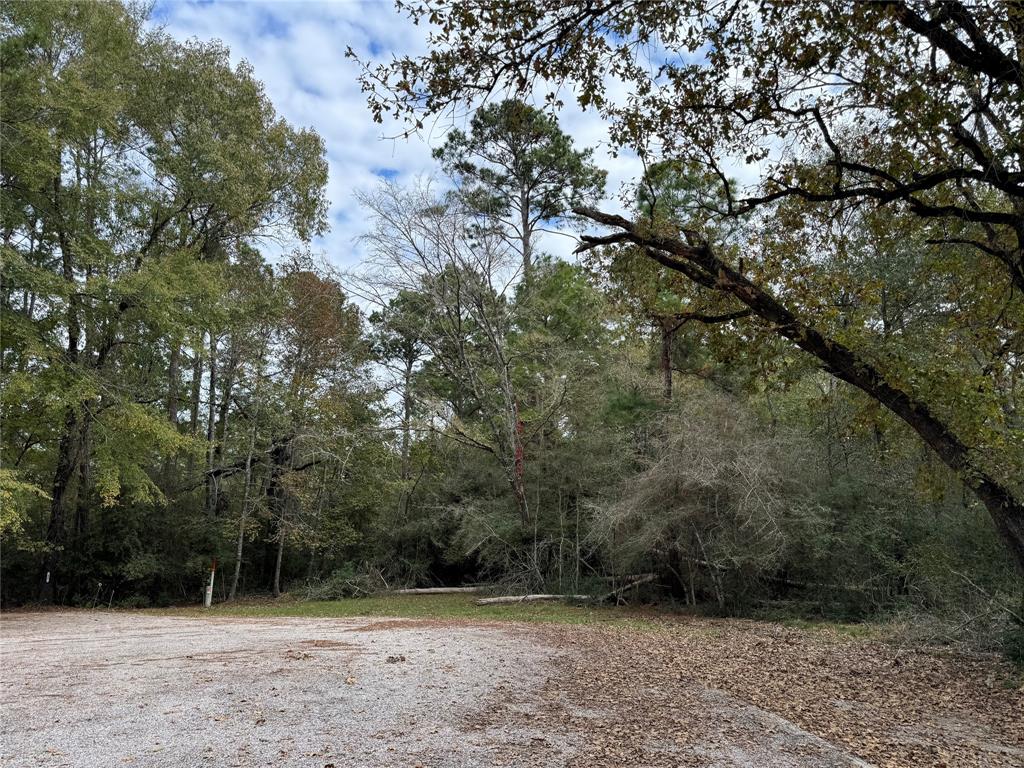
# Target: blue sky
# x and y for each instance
(297, 49)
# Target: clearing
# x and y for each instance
(181, 689)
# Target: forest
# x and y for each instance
(799, 399)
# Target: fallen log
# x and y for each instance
(630, 577)
(644, 579)
(528, 599)
(438, 590)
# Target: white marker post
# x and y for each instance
(208, 599)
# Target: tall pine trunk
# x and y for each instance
(211, 411)
(224, 412)
(173, 383)
(280, 462)
(195, 395)
(84, 481)
(406, 468)
(240, 546)
(526, 234)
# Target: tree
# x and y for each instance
(461, 275)
(133, 167)
(322, 352)
(908, 107)
(517, 168)
(398, 344)
(682, 197)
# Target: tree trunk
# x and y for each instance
(519, 495)
(280, 460)
(280, 556)
(211, 436)
(69, 449)
(245, 510)
(513, 444)
(311, 566)
(527, 599)
(196, 394)
(223, 412)
(227, 387)
(82, 494)
(526, 234)
(638, 580)
(406, 469)
(240, 546)
(666, 358)
(172, 382)
(257, 396)
(64, 496)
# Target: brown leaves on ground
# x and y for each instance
(681, 694)
(890, 707)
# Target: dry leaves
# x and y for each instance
(675, 696)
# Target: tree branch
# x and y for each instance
(842, 362)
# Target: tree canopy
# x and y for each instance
(903, 116)
(518, 168)
(801, 394)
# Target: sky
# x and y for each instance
(297, 50)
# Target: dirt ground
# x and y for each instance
(112, 689)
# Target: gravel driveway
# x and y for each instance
(111, 689)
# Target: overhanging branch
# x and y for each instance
(839, 360)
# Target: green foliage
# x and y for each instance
(511, 147)
(880, 133)
(139, 175)
(16, 497)
(171, 398)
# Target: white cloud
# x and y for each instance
(297, 50)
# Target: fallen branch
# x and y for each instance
(627, 577)
(438, 590)
(643, 579)
(528, 599)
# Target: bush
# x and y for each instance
(345, 582)
(710, 507)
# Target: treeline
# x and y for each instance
(461, 408)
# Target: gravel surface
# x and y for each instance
(111, 689)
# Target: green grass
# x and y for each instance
(426, 607)
(462, 607)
